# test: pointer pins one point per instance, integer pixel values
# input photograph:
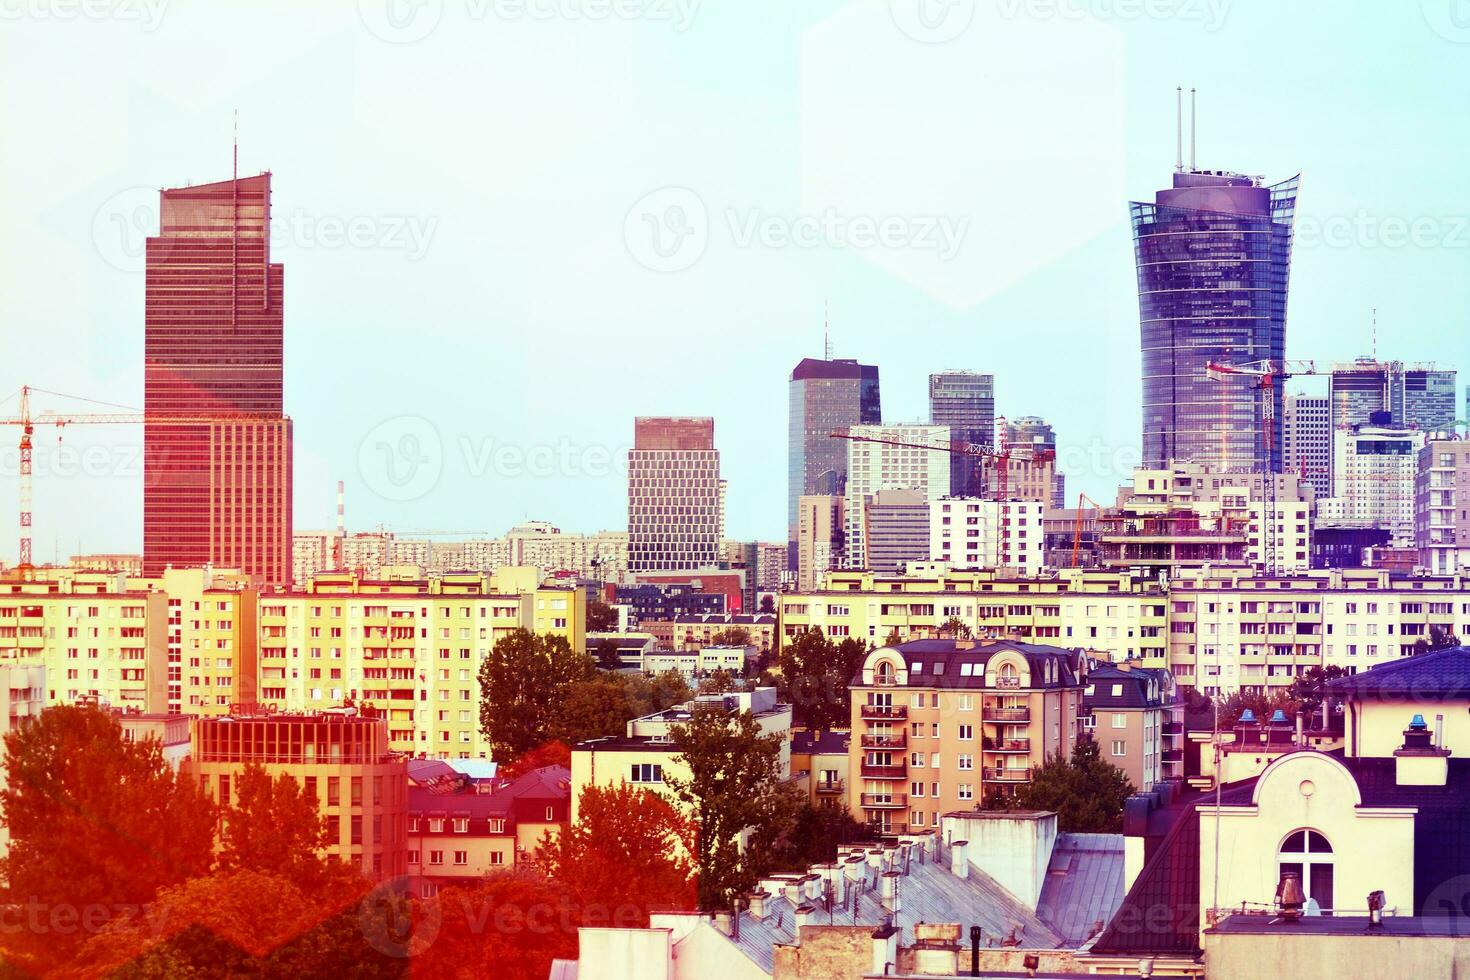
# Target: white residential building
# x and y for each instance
(966, 532)
(1373, 473)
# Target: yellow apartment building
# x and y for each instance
(940, 725)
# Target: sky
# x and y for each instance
(511, 226)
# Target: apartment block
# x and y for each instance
(942, 725)
(1442, 507)
(1373, 478)
(820, 538)
(1306, 440)
(675, 495)
(1116, 613)
(339, 758)
(967, 532)
(1134, 716)
(891, 457)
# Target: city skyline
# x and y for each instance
(345, 301)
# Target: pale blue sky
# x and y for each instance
(465, 219)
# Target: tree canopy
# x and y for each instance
(523, 683)
(1086, 791)
(814, 678)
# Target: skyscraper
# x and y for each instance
(965, 402)
(1033, 478)
(218, 492)
(826, 396)
(675, 495)
(1306, 440)
(1213, 254)
(1416, 396)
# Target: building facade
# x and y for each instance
(821, 538)
(1374, 469)
(216, 490)
(1213, 255)
(875, 466)
(964, 402)
(675, 497)
(896, 529)
(1415, 396)
(1442, 507)
(1306, 440)
(826, 396)
(967, 532)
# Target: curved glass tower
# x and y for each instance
(1213, 254)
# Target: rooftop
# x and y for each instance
(1440, 672)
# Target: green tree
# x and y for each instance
(731, 636)
(96, 820)
(768, 604)
(601, 618)
(1440, 638)
(734, 789)
(719, 682)
(594, 708)
(893, 639)
(629, 850)
(509, 926)
(553, 753)
(523, 682)
(956, 627)
(815, 674)
(607, 654)
(274, 828)
(1086, 791)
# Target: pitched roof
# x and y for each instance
(546, 783)
(821, 743)
(1132, 688)
(1083, 886)
(943, 662)
(1440, 672)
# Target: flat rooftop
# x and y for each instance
(1264, 924)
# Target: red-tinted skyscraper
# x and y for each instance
(219, 491)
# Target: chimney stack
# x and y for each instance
(959, 864)
(757, 901)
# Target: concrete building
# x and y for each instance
(1306, 440)
(896, 529)
(967, 532)
(696, 664)
(459, 832)
(940, 725)
(22, 698)
(821, 538)
(1442, 507)
(964, 403)
(1373, 474)
(1414, 396)
(824, 760)
(675, 495)
(826, 396)
(691, 632)
(1137, 721)
(340, 759)
(875, 466)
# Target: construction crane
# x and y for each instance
(1082, 498)
(27, 424)
(999, 457)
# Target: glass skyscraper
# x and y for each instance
(826, 396)
(965, 402)
(1213, 254)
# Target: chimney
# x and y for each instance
(885, 948)
(852, 869)
(757, 901)
(959, 864)
(875, 859)
(722, 922)
(803, 916)
(793, 892)
(1421, 762)
(890, 893)
(813, 883)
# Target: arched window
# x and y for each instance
(1009, 676)
(1308, 854)
(884, 673)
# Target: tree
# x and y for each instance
(719, 682)
(523, 682)
(956, 627)
(815, 675)
(629, 851)
(734, 789)
(893, 639)
(1308, 689)
(509, 926)
(1086, 791)
(768, 604)
(608, 657)
(731, 636)
(601, 618)
(1440, 638)
(594, 708)
(815, 834)
(274, 828)
(553, 753)
(96, 821)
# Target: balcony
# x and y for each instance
(894, 741)
(1007, 775)
(877, 828)
(829, 787)
(877, 771)
(885, 801)
(1019, 745)
(995, 712)
(884, 712)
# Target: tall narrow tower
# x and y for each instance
(218, 492)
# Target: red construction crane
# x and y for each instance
(1000, 457)
(28, 422)
(1082, 498)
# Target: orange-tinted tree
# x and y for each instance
(553, 753)
(629, 852)
(274, 828)
(509, 926)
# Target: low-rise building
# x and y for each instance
(824, 760)
(1134, 715)
(702, 662)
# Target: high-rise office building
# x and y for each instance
(218, 492)
(820, 537)
(1036, 434)
(1374, 468)
(1213, 254)
(675, 495)
(1415, 396)
(965, 402)
(897, 530)
(826, 396)
(875, 466)
(1306, 440)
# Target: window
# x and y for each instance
(497, 857)
(1120, 747)
(1120, 720)
(436, 857)
(461, 857)
(967, 762)
(967, 733)
(1308, 854)
(647, 772)
(967, 702)
(461, 825)
(413, 857)
(966, 791)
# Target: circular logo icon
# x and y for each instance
(932, 21)
(1450, 19)
(667, 230)
(122, 225)
(402, 458)
(393, 924)
(400, 21)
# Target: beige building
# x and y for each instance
(1134, 716)
(824, 761)
(342, 760)
(22, 698)
(819, 538)
(1442, 507)
(941, 725)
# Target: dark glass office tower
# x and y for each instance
(965, 402)
(826, 397)
(1213, 254)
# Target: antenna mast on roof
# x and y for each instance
(1191, 129)
(1179, 129)
(826, 331)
